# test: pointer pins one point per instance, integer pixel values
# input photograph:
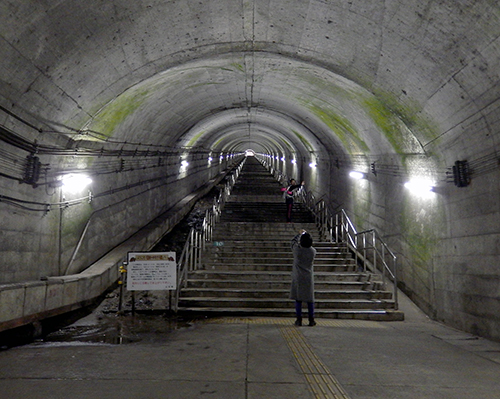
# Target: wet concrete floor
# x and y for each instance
(105, 355)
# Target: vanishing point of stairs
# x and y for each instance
(247, 268)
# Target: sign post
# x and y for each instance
(151, 271)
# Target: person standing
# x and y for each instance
(302, 289)
(288, 195)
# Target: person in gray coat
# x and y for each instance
(302, 289)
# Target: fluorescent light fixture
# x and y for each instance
(75, 182)
(419, 186)
(356, 175)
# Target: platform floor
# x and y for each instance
(263, 358)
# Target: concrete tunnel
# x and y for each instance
(154, 100)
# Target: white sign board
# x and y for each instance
(151, 271)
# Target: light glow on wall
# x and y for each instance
(75, 182)
(420, 187)
(357, 175)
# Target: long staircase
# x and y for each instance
(246, 269)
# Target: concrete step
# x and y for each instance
(271, 259)
(271, 293)
(281, 252)
(277, 303)
(241, 267)
(255, 285)
(278, 244)
(260, 275)
(348, 314)
(247, 269)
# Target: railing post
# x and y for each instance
(364, 251)
(395, 283)
(337, 228)
(356, 251)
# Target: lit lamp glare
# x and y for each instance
(356, 175)
(75, 182)
(419, 186)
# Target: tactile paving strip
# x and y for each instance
(321, 382)
(287, 322)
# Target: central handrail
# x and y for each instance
(190, 258)
(367, 246)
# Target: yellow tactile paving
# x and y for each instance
(322, 383)
(287, 321)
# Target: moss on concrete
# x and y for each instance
(115, 112)
(194, 139)
(303, 140)
(421, 226)
(402, 124)
(341, 127)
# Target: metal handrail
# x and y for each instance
(367, 246)
(190, 259)
(374, 253)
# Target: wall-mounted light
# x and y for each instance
(75, 182)
(210, 159)
(293, 161)
(420, 186)
(312, 164)
(283, 159)
(184, 163)
(357, 175)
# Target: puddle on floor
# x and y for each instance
(115, 329)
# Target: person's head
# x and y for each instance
(293, 182)
(306, 240)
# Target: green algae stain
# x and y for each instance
(387, 122)
(342, 128)
(282, 139)
(115, 113)
(303, 140)
(402, 125)
(422, 227)
(239, 67)
(194, 139)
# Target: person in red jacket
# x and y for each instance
(288, 195)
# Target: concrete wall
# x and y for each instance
(410, 84)
(30, 301)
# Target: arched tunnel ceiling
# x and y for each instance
(352, 77)
(196, 104)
